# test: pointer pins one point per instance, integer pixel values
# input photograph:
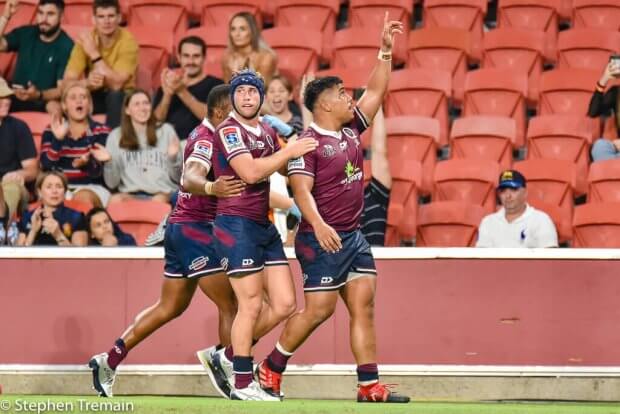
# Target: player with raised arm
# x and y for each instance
(335, 258)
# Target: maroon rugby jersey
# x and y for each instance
(232, 139)
(192, 207)
(337, 168)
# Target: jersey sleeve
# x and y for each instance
(231, 142)
(360, 122)
(305, 165)
(201, 152)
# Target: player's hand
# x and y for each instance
(227, 186)
(390, 27)
(297, 148)
(282, 128)
(328, 238)
(100, 153)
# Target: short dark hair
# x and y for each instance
(58, 3)
(316, 87)
(104, 4)
(218, 95)
(193, 40)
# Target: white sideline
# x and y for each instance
(340, 370)
(381, 253)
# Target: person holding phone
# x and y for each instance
(604, 103)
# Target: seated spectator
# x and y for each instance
(8, 227)
(103, 231)
(75, 145)
(278, 97)
(606, 104)
(145, 157)
(107, 57)
(43, 50)
(516, 224)
(52, 224)
(247, 49)
(18, 158)
(181, 99)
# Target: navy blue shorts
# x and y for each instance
(190, 250)
(247, 246)
(326, 271)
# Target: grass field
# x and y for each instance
(190, 405)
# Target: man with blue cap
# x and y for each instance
(516, 224)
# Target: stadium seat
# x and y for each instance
(458, 14)
(597, 225)
(219, 12)
(357, 48)
(562, 219)
(562, 137)
(156, 47)
(82, 206)
(318, 15)
(421, 92)
(466, 180)
(367, 172)
(37, 122)
(403, 207)
(78, 12)
(7, 65)
(414, 138)
(498, 92)
(164, 15)
(352, 78)
(532, 15)
(441, 48)
(298, 50)
(551, 181)
(601, 14)
(610, 129)
(604, 181)
(484, 137)
(74, 31)
(586, 48)
(448, 224)
(518, 49)
(216, 39)
(138, 217)
(25, 14)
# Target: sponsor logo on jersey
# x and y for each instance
(351, 173)
(203, 148)
(328, 151)
(198, 263)
(297, 164)
(349, 132)
(231, 138)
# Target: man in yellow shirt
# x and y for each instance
(106, 58)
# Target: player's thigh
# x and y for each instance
(280, 288)
(359, 294)
(248, 290)
(218, 289)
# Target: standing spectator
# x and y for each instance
(18, 157)
(516, 224)
(604, 104)
(181, 99)
(75, 145)
(279, 96)
(145, 161)
(52, 224)
(103, 231)
(108, 58)
(247, 49)
(43, 50)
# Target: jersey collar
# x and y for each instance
(335, 134)
(208, 125)
(254, 130)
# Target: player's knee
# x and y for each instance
(363, 311)
(321, 314)
(173, 310)
(285, 308)
(251, 307)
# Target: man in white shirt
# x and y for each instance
(516, 224)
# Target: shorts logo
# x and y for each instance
(305, 277)
(327, 280)
(204, 148)
(198, 263)
(349, 132)
(231, 138)
(247, 262)
(224, 263)
(328, 151)
(297, 164)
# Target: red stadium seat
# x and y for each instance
(498, 92)
(414, 138)
(356, 48)
(138, 217)
(74, 31)
(586, 48)
(597, 225)
(484, 137)
(163, 15)
(37, 122)
(7, 65)
(458, 14)
(352, 78)
(601, 14)
(562, 219)
(441, 49)
(448, 224)
(78, 12)
(516, 49)
(156, 47)
(298, 50)
(604, 182)
(562, 137)
(219, 12)
(216, 39)
(422, 92)
(82, 206)
(367, 172)
(403, 207)
(465, 180)
(25, 14)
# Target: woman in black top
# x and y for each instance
(602, 104)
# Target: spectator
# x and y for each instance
(75, 145)
(145, 161)
(516, 224)
(103, 231)
(18, 157)
(247, 49)
(52, 224)
(43, 50)
(108, 58)
(8, 228)
(278, 97)
(181, 99)
(603, 104)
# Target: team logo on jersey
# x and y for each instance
(328, 151)
(297, 164)
(198, 263)
(231, 138)
(204, 148)
(352, 173)
(349, 132)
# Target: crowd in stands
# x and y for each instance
(97, 113)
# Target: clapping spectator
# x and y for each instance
(103, 231)
(605, 104)
(75, 145)
(145, 157)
